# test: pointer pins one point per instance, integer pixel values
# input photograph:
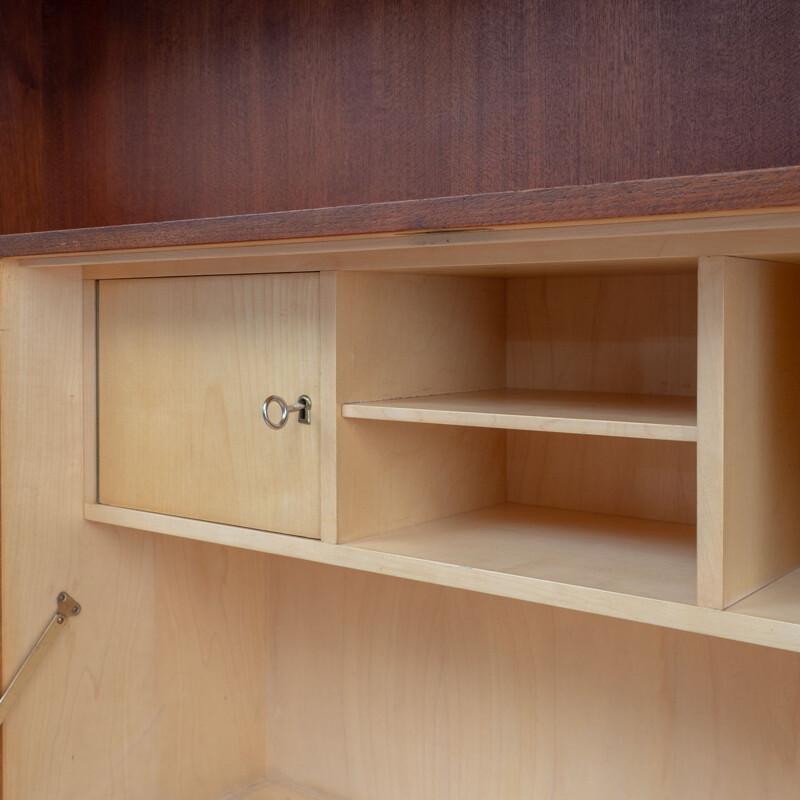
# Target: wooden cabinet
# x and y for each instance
(575, 445)
(184, 366)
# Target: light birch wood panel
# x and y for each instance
(631, 334)
(754, 629)
(184, 365)
(387, 690)
(153, 666)
(748, 430)
(644, 244)
(592, 413)
(209, 673)
(406, 335)
(617, 554)
(779, 600)
(390, 475)
(274, 790)
(630, 477)
(328, 407)
(75, 732)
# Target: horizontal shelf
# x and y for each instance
(600, 551)
(599, 414)
(748, 621)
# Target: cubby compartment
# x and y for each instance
(557, 425)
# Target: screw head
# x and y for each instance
(62, 597)
(59, 619)
(76, 609)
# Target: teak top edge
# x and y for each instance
(697, 194)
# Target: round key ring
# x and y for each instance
(303, 405)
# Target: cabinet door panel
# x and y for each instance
(184, 365)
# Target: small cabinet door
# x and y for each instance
(184, 367)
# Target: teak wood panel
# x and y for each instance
(184, 366)
(611, 333)
(22, 134)
(765, 190)
(177, 110)
(157, 688)
(382, 689)
(748, 433)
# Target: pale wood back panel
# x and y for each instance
(211, 656)
(150, 691)
(393, 474)
(76, 732)
(633, 477)
(748, 429)
(184, 367)
(406, 335)
(611, 333)
(383, 689)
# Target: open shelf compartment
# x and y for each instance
(561, 414)
(600, 551)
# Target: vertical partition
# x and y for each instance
(406, 336)
(748, 427)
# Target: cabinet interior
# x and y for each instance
(610, 357)
(620, 442)
(537, 423)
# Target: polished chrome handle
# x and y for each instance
(303, 406)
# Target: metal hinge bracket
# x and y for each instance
(67, 607)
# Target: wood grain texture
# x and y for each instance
(210, 654)
(274, 790)
(388, 690)
(758, 628)
(406, 335)
(90, 391)
(629, 333)
(612, 553)
(22, 206)
(97, 739)
(711, 353)
(631, 477)
(328, 407)
(177, 110)
(391, 475)
(590, 413)
(777, 600)
(184, 365)
(154, 690)
(595, 247)
(761, 189)
(748, 434)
